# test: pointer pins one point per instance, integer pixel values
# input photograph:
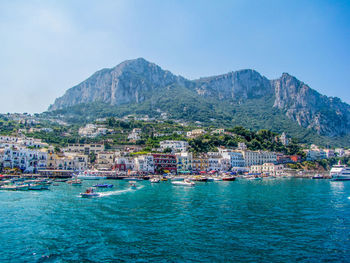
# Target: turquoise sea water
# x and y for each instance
(282, 220)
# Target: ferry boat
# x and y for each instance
(340, 172)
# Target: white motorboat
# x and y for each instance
(154, 180)
(186, 182)
(177, 178)
(340, 172)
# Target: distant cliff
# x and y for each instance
(139, 82)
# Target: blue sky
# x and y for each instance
(48, 46)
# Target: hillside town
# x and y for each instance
(22, 154)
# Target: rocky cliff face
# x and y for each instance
(328, 116)
(136, 81)
(130, 82)
(238, 86)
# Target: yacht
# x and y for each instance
(340, 172)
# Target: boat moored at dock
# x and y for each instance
(340, 172)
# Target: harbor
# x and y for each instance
(124, 223)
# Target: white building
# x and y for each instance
(258, 157)
(27, 160)
(283, 139)
(135, 134)
(144, 163)
(175, 146)
(236, 159)
(268, 169)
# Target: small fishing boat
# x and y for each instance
(185, 182)
(61, 180)
(89, 193)
(154, 180)
(318, 176)
(104, 185)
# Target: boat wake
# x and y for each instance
(118, 192)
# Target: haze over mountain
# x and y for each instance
(240, 97)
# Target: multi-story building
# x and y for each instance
(184, 162)
(258, 157)
(175, 146)
(105, 160)
(85, 148)
(315, 154)
(124, 164)
(28, 160)
(195, 133)
(66, 161)
(268, 169)
(200, 163)
(165, 163)
(144, 163)
(236, 158)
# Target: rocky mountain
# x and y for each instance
(138, 86)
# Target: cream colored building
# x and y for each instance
(268, 169)
(85, 148)
(105, 160)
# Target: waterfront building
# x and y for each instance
(164, 163)
(28, 160)
(175, 146)
(315, 154)
(200, 163)
(258, 157)
(236, 158)
(105, 160)
(144, 163)
(66, 161)
(268, 169)
(124, 164)
(184, 162)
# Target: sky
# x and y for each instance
(47, 47)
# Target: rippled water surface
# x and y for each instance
(282, 220)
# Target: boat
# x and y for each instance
(178, 178)
(340, 172)
(185, 182)
(318, 176)
(154, 180)
(22, 187)
(216, 179)
(9, 187)
(61, 180)
(74, 182)
(229, 178)
(200, 179)
(132, 184)
(104, 185)
(34, 187)
(89, 193)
